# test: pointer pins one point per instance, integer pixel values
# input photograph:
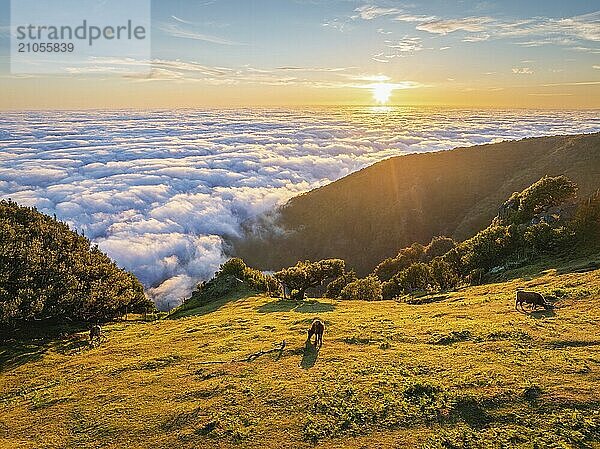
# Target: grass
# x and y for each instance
(462, 370)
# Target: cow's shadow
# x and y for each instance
(537, 313)
(542, 313)
(309, 355)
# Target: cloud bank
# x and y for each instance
(157, 190)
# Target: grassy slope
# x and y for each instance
(146, 387)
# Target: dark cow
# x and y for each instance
(317, 328)
(533, 298)
(95, 332)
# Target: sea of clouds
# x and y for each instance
(157, 190)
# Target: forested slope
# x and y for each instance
(368, 215)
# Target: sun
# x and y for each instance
(382, 92)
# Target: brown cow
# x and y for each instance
(317, 328)
(533, 298)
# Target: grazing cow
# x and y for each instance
(95, 332)
(317, 328)
(533, 298)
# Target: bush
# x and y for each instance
(368, 289)
(443, 275)
(415, 277)
(543, 194)
(490, 247)
(405, 258)
(336, 286)
(390, 290)
(231, 276)
(49, 272)
(586, 223)
(438, 247)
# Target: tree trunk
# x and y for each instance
(301, 294)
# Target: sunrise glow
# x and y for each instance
(382, 92)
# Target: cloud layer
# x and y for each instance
(157, 190)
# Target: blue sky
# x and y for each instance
(501, 53)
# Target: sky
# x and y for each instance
(246, 53)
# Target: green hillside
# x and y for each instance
(459, 370)
(369, 215)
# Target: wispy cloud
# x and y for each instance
(567, 31)
(575, 83)
(315, 69)
(336, 24)
(177, 19)
(367, 81)
(189, 71)
(522, 71)
(476, 37)
(445, 26)
(380, 57)
(370, 12)
(406, 44)
(188, 30)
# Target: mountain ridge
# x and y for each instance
(368, 215)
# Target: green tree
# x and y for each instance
(367, 289)
(307, 274)
(415, 277)
(586, 223)
(335, 287)
(490, 247)
(232, 267)
(443, 275)
(49, 272)
(543, 194)
(438, 247)
(233, 274)
(405, 258)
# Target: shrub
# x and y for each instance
(490, 247)
(48, 271)
(438, 247)
(390, 290)
(405, 258)
(443, 275)
(415, 277)
(586, 223)
(543, 194)
(368, 289)
(336, 286)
